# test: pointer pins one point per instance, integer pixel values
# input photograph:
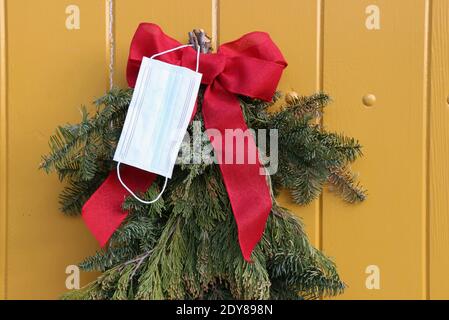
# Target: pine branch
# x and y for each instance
(344, 183)
(308, 105)
(185, 246)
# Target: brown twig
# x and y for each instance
(199, 38)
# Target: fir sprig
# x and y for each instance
(185, 245)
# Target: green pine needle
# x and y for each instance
(185, 246)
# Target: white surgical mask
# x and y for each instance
(157, 118)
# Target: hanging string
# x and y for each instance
(133, 194)
(111, 42)
(198, 50)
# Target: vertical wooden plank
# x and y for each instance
(388, 230)
(3, 151)
(439, 152)
(294, 27)
(291, 24)
(175, 17)
(51, 71)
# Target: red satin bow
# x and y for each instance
(250, 66)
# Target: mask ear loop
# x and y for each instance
(166, 179)
(133, 194)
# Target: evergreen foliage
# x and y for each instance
(185, 245)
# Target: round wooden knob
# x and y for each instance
(369, 100)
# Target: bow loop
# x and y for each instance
(256, 45)
(254, 66)
(251, 77)
(149, 40)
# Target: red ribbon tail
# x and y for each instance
(245, 182)
(103, 212)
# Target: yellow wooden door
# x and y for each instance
(384, 62)
(390, 63)
(437, 237)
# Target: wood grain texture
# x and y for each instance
(387, 230)
(439, 151)
(3, 152)
(51, 71)
(293, 25)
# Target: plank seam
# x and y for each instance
(3, 153)
(110, 41)
(215, 15)
(320, 87)
(426, 161)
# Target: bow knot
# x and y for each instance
(250, 66)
